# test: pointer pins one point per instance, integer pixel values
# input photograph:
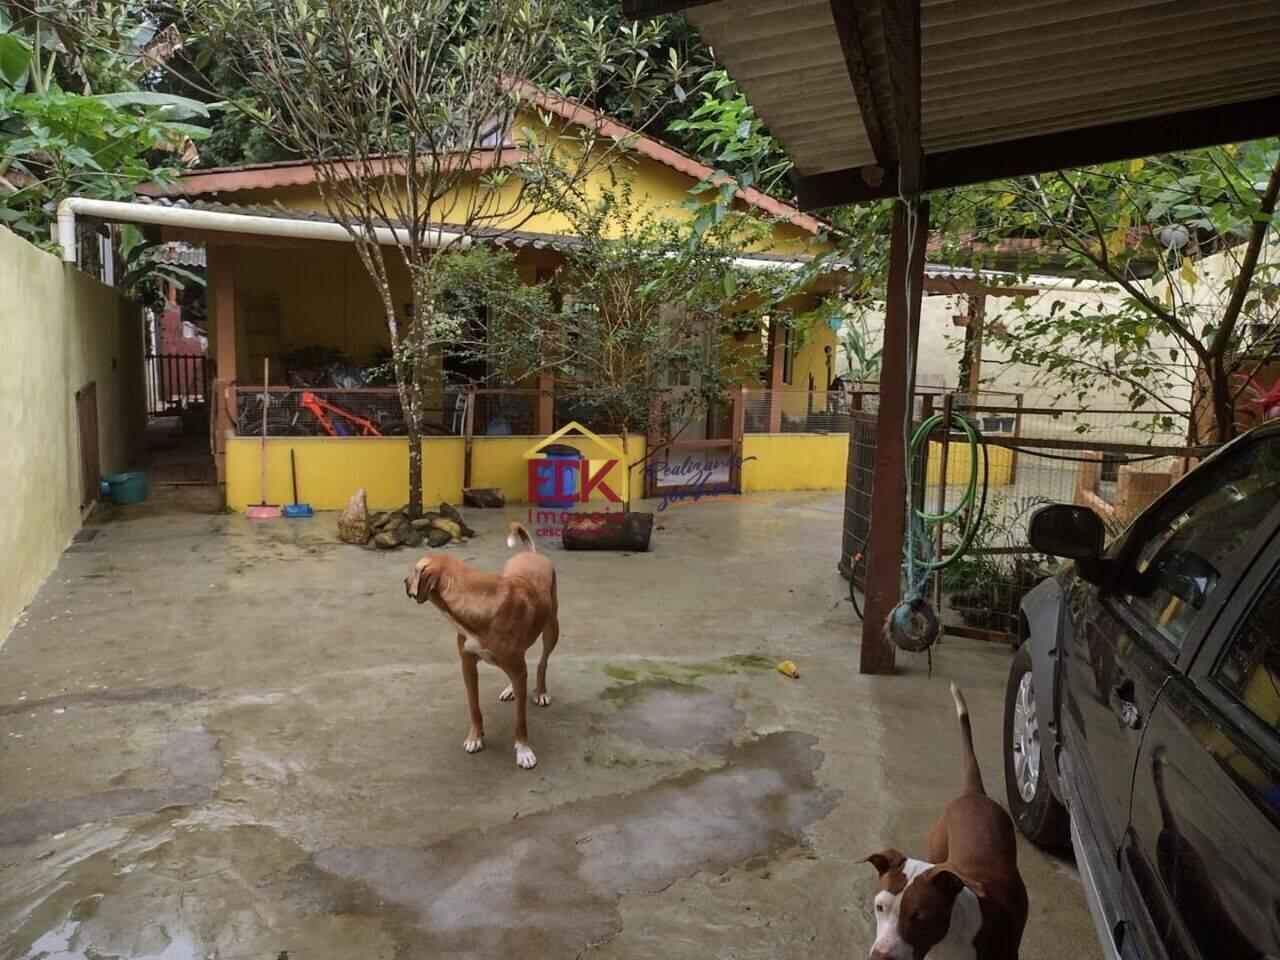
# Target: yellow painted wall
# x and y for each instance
(654, 184)
(999, 464)
(811, 358)
(793, 461)
(59, 329)
(330, 470)
(806, 461)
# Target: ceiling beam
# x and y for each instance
(900, 21)
(882, 142)
(1185, 130)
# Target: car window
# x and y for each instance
(1249, 669)
(1188, 550)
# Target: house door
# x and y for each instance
(90, 468)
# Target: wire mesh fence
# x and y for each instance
(797, 411)
(335, 412)
(1114, 461)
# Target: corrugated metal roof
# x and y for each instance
(993, 70)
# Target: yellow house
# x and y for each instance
(277, 287)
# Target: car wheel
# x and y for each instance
(1039, 815)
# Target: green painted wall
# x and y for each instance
(59, 330)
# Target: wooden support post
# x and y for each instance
(971, 359)
(468, 434)
(777, 367)
(739, 428)
(889, 482)
(223, 283)
(222, 266)
(545, 414)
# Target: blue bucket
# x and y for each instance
(126, 487)
(557, 489)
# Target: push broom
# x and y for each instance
(263, 510)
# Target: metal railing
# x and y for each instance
(176, 382)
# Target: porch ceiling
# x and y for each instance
(971, 90)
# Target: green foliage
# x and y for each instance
(985, 588)
(56, 143)
(728, 135)
(1145, 228)
(631, 322)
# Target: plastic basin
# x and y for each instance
(127, 487)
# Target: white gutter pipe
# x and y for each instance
(218, 222)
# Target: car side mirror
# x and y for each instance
(1074, 533)
(1066, 530)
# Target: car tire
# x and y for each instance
(1038, 813)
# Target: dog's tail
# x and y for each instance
(516, 533)
(972, 775)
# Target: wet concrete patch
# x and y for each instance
(172, 695)
(548, 884)
(192, 759)
(680, 716)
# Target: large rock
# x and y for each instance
(425, 521)
(437, 537)
(353, 522)
(450, 512)
(485, 498)
(449, 527)
(386, 540)
(413, 537)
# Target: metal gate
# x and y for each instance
(176, 382)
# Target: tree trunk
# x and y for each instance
(626, 473)
(1224, 408)
(415, 470)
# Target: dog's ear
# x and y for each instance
(427, 584)
(421, 581)
(951, 882)
(885, 860)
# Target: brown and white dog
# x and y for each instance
(967, 902)
(498, 619)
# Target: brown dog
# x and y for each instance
(968, 901)
(498, 619)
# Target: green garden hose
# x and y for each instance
(914, 624)
(973, 492)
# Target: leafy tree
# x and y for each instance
(1188, 240)
(633, 325)
(58, 138)
(402, 108)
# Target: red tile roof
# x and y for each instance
(290, 173)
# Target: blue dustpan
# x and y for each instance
(296, 510)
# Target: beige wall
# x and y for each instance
(59, 330)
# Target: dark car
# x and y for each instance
(1142, 718)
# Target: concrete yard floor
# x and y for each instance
(222, 739)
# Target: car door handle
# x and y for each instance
(1122, 704)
